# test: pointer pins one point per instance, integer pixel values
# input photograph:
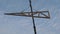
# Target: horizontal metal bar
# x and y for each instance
(27, 16)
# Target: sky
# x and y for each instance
(23, 25)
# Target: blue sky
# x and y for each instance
(23, 25)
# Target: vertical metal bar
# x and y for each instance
(32, 18)
(48, 14)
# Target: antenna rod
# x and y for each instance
(32, 18)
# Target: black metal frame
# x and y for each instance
(31, 14)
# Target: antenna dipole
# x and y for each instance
(31, 14)
(32, 18)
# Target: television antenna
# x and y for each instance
(31, 14)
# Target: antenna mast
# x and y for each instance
(32, 17)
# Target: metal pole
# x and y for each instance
(32, 18)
